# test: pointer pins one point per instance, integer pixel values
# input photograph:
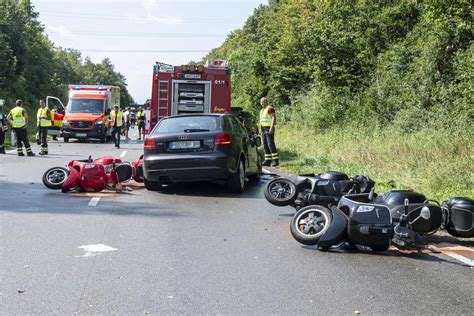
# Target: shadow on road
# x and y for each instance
(27, 198)
(391, 252)
(206, 189)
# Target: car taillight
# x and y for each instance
(223, 139)
(149, 143)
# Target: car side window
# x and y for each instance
(239, 128)
(229, 125)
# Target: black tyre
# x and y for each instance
(66, 139)
(280, 192)
(55, 177)
(310, 223)
(236, 183)
(153, 185)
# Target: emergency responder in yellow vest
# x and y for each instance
(267, 124)
(3, 128)
(141, 123)
(18, 120)
(44, 122)
(116, 121)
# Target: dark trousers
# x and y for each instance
(22, 139)
(269, 147)
(43, 131)
(2, 141)
(116, 135)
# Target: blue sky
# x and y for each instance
(100, 28)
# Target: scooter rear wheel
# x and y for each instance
(54, 177)
(310, 223)
(280, 192)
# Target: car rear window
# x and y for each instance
(188, 124)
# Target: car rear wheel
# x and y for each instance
(153, 185)
(236, 183)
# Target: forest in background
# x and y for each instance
(32, 67)
(382, 87)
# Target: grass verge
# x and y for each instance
(438, 164)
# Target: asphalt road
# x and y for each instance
(192, 249)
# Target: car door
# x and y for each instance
(247, 147)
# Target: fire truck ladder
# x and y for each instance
(163, 97)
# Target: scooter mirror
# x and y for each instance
(425, 213)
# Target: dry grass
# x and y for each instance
(429, 162)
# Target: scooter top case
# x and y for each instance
(460, 216)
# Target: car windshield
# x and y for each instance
(188, 124)
(85, 106)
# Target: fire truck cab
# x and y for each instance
(189, 89)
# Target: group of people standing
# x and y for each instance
(18, 120)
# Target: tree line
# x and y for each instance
(31, 66)
(405, 64)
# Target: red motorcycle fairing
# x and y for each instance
(108, 160)
(72, 181)
(93, 177)
(336, 230)
(138, 170)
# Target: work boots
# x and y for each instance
(2, 150)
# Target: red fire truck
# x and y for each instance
(189, 89)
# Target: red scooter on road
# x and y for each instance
(93, 175)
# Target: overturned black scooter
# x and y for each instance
(370, 222)
(315, 189)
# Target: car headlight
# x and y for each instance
(99, 123)
(65, 122)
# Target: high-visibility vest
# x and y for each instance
(265, 117)
(19, 120)
(42, 115)
(141, 116)
(119, 118)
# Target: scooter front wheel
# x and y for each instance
(310, 223)
(280, 192)
(55, 177)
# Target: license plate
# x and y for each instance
(192, 76)
(81, 135)
(185, 145)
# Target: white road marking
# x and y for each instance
(463, 259)
(123, 154)
(11, 151)
(93, 250)
(94, 201)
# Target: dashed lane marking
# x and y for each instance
(123, 154)
(94, 201)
